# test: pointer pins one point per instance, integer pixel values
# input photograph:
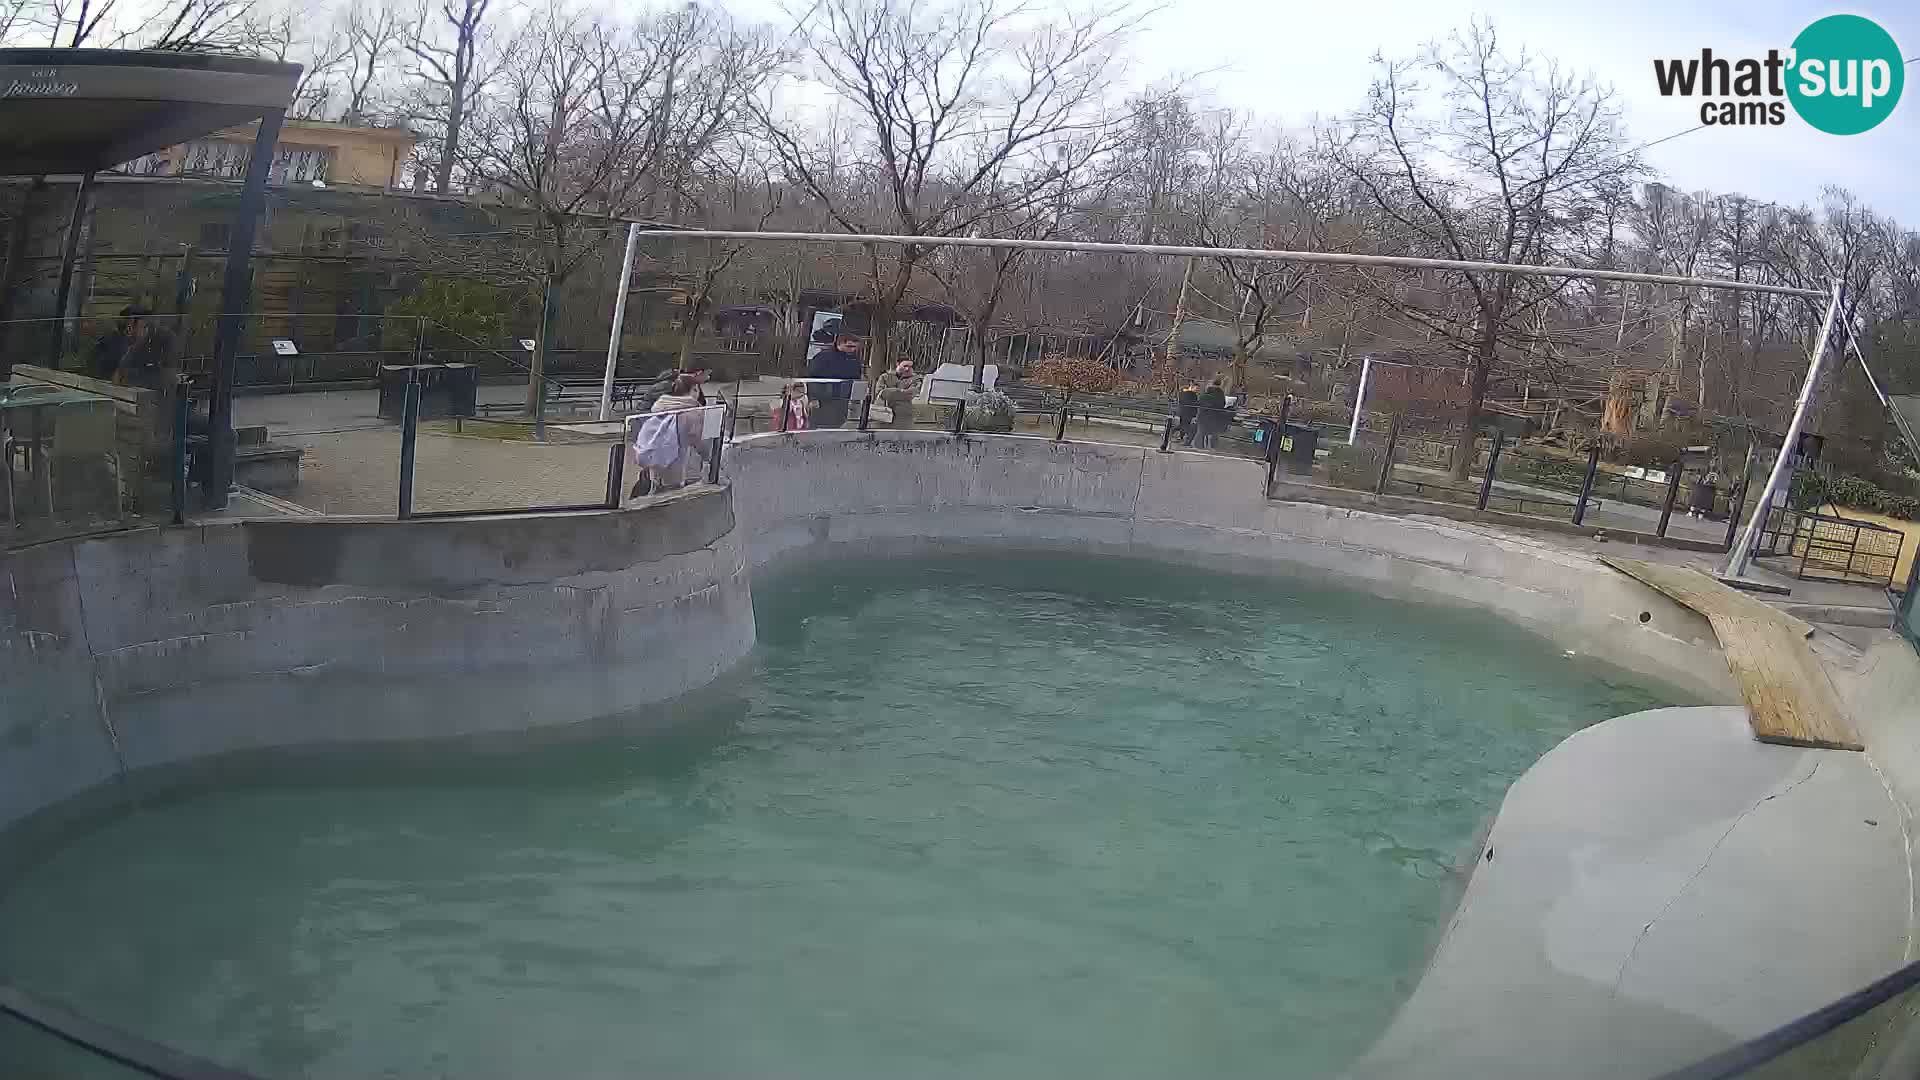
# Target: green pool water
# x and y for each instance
(1002, 816)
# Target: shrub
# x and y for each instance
(1855, 493)
(1076, 375)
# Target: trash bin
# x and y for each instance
(1295, 448)
(445, 389)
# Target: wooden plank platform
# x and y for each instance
(1789, 698)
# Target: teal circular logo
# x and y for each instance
(1846, 75)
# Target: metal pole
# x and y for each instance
(866, 412)
(182, 407)
(409, 429)
(1060, 431)
(236, 301)
(1166, 436)
(713, 461)
(1360, 398)
(616, 472)
(1673, 492)
(1386, 466)
(1493, 465)
(959, 415)
(1742, 550)
(619, 322)
(1257, 254)
(1586, 482)
(1734, 505)
(69, 252)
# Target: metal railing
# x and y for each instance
(1826, 547)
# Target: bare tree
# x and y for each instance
(581, 120)
(956, 114)
(453, 57)
(1521, 151)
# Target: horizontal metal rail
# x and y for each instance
(1335, 258)
(109, 1043)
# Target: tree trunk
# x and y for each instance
(1237, 371)
(1490, 316)
(456, 115)
(537, 368)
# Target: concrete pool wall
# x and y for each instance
(160, 646)
(818, 493)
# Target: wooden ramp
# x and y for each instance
(1789, 698)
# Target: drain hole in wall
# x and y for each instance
(1646, 616)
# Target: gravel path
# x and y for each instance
(358, 472)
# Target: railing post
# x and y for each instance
(1736, 504)
(713, 460)
(1493, 465)
(866, 411)
(409, 429)
(1673, 492)
(1386, 466)
(959, 417)
(182, 409)
(616, 471)
(1586, 482)
(1060, 430)
(1166, 436)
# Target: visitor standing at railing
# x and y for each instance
(1700, 501)
(666, 447)
(1186, 405)
(1211, 418)
(793, 407)
(896, 389)
(839, 362)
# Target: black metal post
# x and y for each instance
(69, 253)
(1166, 437)
(1060, 429)
(236, 300)
(1286, 407)
(182, 408)
(616, 473)
(1386, 466)
(713, 462)
(866, 412)
(1493, 464)
(409, 428)
(1739, 502)
(1586, 483)
(959, 416)
(1673, 492)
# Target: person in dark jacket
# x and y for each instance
(137, 353)
(1183, 412)
(841, 361)
(1212, 418)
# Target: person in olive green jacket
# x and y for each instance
(896, 389)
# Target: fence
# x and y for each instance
(1824, 547)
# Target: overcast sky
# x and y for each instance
(1294, 60)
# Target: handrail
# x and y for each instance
(1754, 1053)
(111, 1043)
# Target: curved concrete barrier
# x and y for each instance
(161, 646)
(811, 494)
(1655, 889)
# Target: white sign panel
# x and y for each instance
(285, 347)
(526, 343)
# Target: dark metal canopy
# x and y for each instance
(86, 110)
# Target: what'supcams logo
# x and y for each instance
(1843, 75)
